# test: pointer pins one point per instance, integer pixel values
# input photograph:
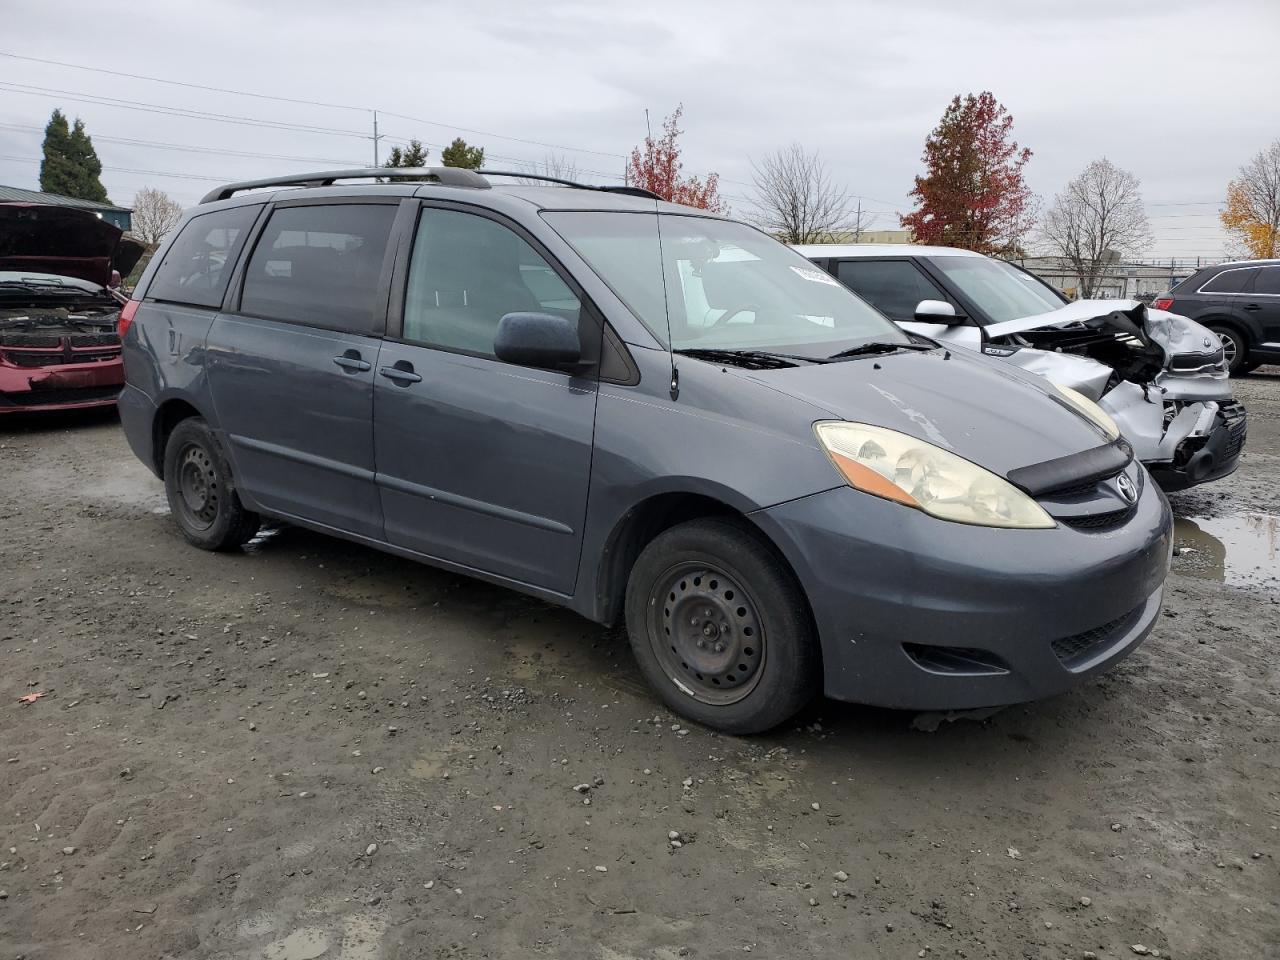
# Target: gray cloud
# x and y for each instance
(1178, 92)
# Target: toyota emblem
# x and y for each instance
(1127, 489)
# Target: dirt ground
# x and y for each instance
(310, 749)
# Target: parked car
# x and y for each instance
(1238, 301)
(646, 413)
(58, 343)
(1161, 377)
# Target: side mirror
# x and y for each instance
(937, 311)
(537, 340)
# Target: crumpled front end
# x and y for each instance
(54, 367)
(1161, 376)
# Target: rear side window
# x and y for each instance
(894, 287)
(1268, 281)
(1230, 281)
(197, 266)
(320, 265)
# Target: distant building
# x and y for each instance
(122, 217)
(870, 236)
(1121, 279)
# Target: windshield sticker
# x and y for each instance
(813, 275)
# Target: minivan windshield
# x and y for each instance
(727, 286)
(1000, 290)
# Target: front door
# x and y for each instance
(482, 463)
(291, 371)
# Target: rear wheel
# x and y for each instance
(202, 496)
(720, 627)
(1234, 350)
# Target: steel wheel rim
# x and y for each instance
(198, 489)
(706, 633)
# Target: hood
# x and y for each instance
(66, 241)
(986, 411)
(1174, 333)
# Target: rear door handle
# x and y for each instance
(402, 373)
(350, 361)
(1252, 307)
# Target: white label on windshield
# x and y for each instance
(813, 275)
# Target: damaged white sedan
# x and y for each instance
(1160, 376)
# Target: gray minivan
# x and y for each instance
(646, 413)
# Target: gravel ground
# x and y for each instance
(314, 750)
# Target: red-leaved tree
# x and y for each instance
(656, 167)
(972, 194)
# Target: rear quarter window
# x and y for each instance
(198, 264)
(1230, 281)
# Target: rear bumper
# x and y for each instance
(917, 613)
(69, 386)
(137, 419)
(1201, 459)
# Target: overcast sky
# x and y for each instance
(1178, 91)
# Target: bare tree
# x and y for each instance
(155, 213)
(553, 165)
(797, 201)
(1096, 219)
(1252, 216)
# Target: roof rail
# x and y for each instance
(449, 176)
(628, 191)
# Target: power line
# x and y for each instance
(178, 111)
(159, 145)
(312, 103)
(149, 173)
(183, 83)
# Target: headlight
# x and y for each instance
(894, 466)
(1090, 410)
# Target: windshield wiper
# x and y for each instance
(879, 346)
(754, 359)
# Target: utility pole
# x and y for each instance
(857, 223)
(376, 138)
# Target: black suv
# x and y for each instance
(1240, 302)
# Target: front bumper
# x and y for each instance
(1201, 459)
(922, 614)
(68, 386)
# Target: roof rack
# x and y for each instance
(627, 191)
(449, 176)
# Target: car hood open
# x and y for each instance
(990, 413)
(66, 241)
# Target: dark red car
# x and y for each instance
(59, 346)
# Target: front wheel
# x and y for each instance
(202, 497)
(720, 628)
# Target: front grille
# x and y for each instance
(22, 358)
(36, 341)
(80, 340)
(49, 398)
(1099, 522)
(1195, 361)
(1079, 647)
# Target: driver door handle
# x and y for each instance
(352, 364)
(402, 373)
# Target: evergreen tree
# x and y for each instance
(458, 154)
(70, 166)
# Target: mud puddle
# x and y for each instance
(1240, 549)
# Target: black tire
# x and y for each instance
(202, 494)
(720, 627)
(1233, 344)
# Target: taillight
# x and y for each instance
(126, 317)
(1163, 303)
